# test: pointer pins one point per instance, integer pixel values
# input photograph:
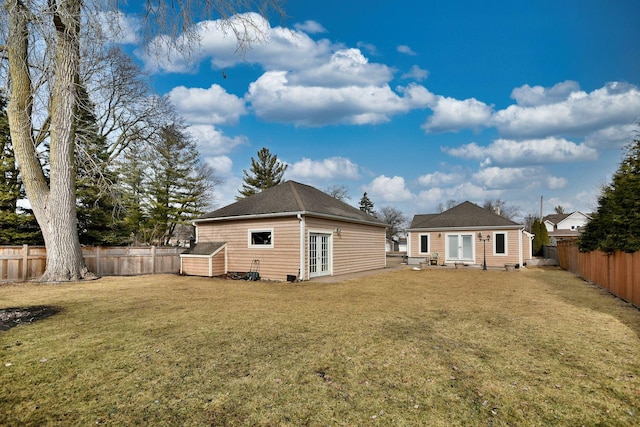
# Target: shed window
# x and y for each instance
(424, 243)
(500, 240)
(261, 238)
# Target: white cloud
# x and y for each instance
(495, 177)
(416, 73)
(451, 114)
(385, 189)
(531, 96)
(118, 27)
(579, 113)
(310, 27)
(212, 142)
(226, 192)
(518, 178)
(529, 152)
(274, 48)
(469, 191)
(344, 68)
(406, 50)
(274, 98)
(556, 183)
(431, 197)
(326, 169)
(612, 137)
(221, 165)
(207, 106)
(440, 178)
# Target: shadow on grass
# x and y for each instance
(590, 297)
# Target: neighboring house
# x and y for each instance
(565, 226)
(397, 244)
(293, 230)
(453, 237)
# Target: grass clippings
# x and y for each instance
(403, 348)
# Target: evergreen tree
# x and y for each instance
(266, 172)
(541, 237)
(616, 224)
(131, 169)
(179, 183)
(17, 226)
(366, 205)
(96, 201)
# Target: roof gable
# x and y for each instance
(292, 198)
(465, 214)
(555, 218)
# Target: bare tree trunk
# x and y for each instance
(54, 205)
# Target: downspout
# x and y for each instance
(302, 242)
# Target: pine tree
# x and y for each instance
(266, 172)
(97, 223)
(17, 225)
(131, 169)
(179, 183)
(616, 224)
(366, 205)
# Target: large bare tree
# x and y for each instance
(42, 46)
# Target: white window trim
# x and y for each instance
(506, 243)
(259, 230)
(420, 243)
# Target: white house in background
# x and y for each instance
(565, 226)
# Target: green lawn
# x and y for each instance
(402, 348)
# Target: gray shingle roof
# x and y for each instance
(204, 248)
(292, 197)
(465, 214)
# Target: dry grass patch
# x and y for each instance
(437, 347)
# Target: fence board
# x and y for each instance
(618, 272)
(22, 263)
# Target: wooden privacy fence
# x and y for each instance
(22, 263)
(619, 272)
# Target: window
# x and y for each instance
(500, 243)
(261, 238)
(424, 243)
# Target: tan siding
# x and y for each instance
(218, 263)
(195, 266)
(513, 246)
(358, 247)
(437, 243)
(275, 263)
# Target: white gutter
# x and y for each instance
(469, 228)
(302, 242)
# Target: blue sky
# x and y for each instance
(417, 103)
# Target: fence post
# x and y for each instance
(153, 258)
(25, 262)
(98, 261)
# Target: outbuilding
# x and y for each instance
(291, 231)
(468, 234)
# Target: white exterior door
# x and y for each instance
(460, 247)
(319, 254)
